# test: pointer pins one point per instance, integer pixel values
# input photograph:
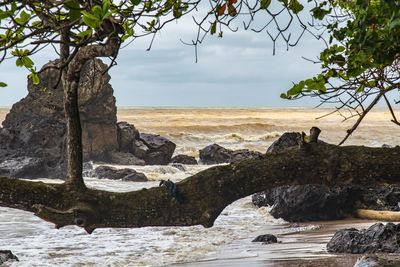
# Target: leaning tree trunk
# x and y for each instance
(71, 77)
(203, 196)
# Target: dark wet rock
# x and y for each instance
(179, 166)
(266, 239)
(378, 238)
(116, 174)
(374, 261)
(6, 255)
(22, 167)
(160, 149)
(301, 203)
(125, 158)
(139, 149)
(215, 154)
(243, 154)
(127, 134)
(386, 146)
(184, 159)
(285, 141)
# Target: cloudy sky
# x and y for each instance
(238, 70)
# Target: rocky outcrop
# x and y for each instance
(317, 202)
(125, 174)
(6, 255)
(378, 238)
(216, 154)
(184, 159)
(32, 140)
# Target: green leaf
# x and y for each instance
(265, 4)
(27, 62)
(35, 79)
(3, 84)
(214, 28)
(295, 6)
(135, 2)
(85, 33)
(88, 15)
(74, 12)
(97, 11)
(106, 7)
(90, 22)
(284, 96)
(4, 14)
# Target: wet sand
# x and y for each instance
(298, 247)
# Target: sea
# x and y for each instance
(228, 242)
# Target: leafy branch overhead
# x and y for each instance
(360, 65)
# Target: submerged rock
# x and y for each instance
(301, 203)
(266, 239)
(116, 174)
(184, 159)
(6, 255)
(22, 167)
(378, 238)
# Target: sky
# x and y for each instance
(238, 70)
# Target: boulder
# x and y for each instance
(215, 154)
(285, 141)
(184, 159)
(6, 255)
(127, 134)
(178, 166)
(301, 203)
(23, 167)
(125, 158)
(160, 149)
(139, 149)
(266, 239)
(378, 238)
(116, 174)
(243, 154)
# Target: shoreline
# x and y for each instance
(305, 248)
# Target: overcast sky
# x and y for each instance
(238, 70)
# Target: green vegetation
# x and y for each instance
(360, 66)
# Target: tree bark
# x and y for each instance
(71, 77)
(205, 194)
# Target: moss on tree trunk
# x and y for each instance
(205, 194)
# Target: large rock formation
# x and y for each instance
(35, 128)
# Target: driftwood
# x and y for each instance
(380, 215)
(205, 194)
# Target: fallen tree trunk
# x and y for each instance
(206, 194)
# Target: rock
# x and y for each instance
(99, 132)
(23, 167)
(125, 158)
(215, 154)
(87, 169)
(374, 261)
(378, 238)
(6, 255)
(160, 149)
(127, 134)
(139, 149)
(184, 159)
(116, 174)
(285, 141)
(243, 154)
(301, 203)
(179, 166)
(266, 239)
